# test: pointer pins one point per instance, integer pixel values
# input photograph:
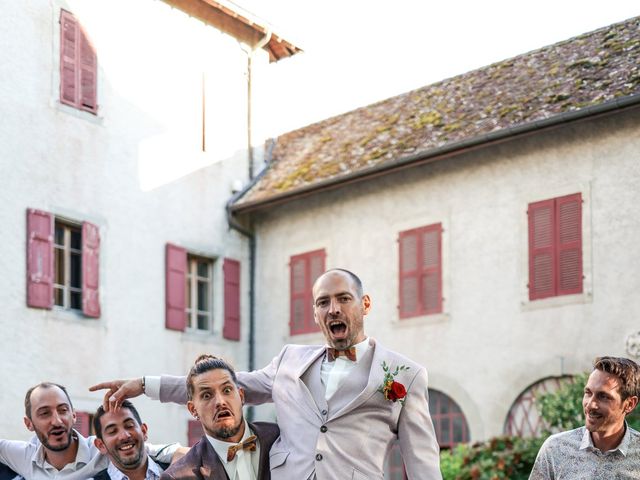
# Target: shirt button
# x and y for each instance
(324, 412)
(319, 457)
(323, 428)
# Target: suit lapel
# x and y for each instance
(311, 384)
(211, 467)
(361, 383)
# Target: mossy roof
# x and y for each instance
(581, 72)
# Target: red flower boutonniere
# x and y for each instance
(392, 390)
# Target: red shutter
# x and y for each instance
(90, 270)
(176, 275)
(569, 241)
(304, 271)
(68, 58)
(40, 229)
(194, 432)
(432, 269)
(88, 74)
(231, 329)
(409, 273)
(83, 423)
(542, 282)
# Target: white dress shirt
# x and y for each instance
(245, 460)
(153, 471)
(28, 459)
(333, 373)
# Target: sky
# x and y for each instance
(358, 52)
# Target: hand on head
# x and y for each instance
(117, 391)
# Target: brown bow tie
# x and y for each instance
(248, 444)
(333, 353)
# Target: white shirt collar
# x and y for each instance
(153, 471)
(623, 446)
(83, 455)
(221, 447)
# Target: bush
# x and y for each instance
(501, 457)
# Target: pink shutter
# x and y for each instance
(176, 275)
(83, 423)
(297, 288)
(194, 432)
(432, 269)
(88, 74)
(231, 329)
(316, 267)
(90, 270)
(409, 273)
(542, 281)
(69, 40)
(40, 269)
(569, 241)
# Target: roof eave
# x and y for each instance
(439, 153)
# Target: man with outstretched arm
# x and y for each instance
(339, 406)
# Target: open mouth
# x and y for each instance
(57, 433)
(338, 328)
(126, 446)
(222, 415)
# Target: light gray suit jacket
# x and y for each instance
(348, 437)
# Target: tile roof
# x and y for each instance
(573, 75)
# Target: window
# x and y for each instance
(190, 289)
(555, 247)
(304, 270)
(420, 271)
(63, 261)
(448, 420)
(199, 293)
(78, 65)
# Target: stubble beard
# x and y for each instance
(54, 448)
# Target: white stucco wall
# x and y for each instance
(491, 342)
(137, 170)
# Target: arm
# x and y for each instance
(17, 455)
(542, 468)
(258, 384)
(416, 435)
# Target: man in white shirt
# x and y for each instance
(60, 452)
(120, 435)
(231, 448)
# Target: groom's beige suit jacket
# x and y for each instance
(347, 437)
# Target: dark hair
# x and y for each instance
(27, 397)
(203, 364)
(626, 370)
(97, 426)
(354, 278)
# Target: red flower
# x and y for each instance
(396, 391)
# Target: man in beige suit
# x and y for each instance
(339, 407)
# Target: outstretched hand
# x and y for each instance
(118, 391)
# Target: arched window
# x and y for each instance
(523, 419)
(450, 426)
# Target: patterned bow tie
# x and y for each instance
(248, 444)
(333, 353)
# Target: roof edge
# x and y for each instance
(440, 153)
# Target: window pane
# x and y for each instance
(76, 300)
(203, 296)
(59, 235)
(76, 241)
(58, 295)
(75, 270)
(203, 322)
(189, 305)
(59, 266)
(458, 429)
(203, 269)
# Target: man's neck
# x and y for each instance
(139, 473)
(605, 441)
(58, 459)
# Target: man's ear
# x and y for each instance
(100, 446)
(241, 391)
(631, 404)
(192, 409)
(366, 303)
(144, 429)
(29, 424)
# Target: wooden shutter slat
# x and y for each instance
(408, 281)
(569, 227)
(175, 286)
(88, 73)
(68, 58)
(231, 270)
(90, 270)
(40, 228)
(541, 249)
(82, 423)
(304, 269)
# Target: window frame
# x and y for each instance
(67, 252)
(191, 286)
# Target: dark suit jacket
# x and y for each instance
(202, 461)
(6, 473)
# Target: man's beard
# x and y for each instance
(127, 463)
(227, 432)
(57, 448)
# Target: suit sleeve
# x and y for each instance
(416, 434)
(173, 389)
(258, 384)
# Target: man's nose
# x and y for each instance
(124, 434)
(334, 307)
(57, 419)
